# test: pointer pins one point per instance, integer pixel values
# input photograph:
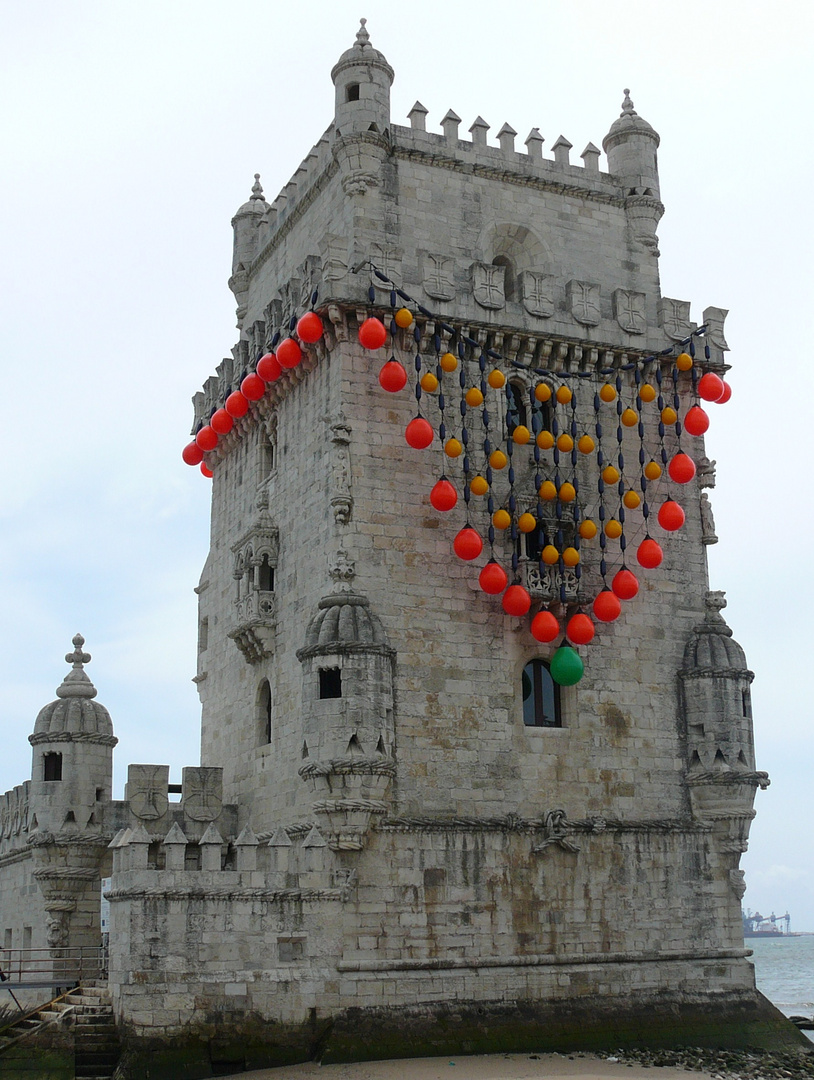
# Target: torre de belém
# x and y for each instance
(406, 836)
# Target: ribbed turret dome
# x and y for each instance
(343, 620)
(712, 647)
(74, 711)
(257, 202)
(629, 122)
(362, 52)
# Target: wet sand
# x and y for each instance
(479, 1067)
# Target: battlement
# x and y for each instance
(14, 817)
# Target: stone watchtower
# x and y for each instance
(435, 845)
(71, 780)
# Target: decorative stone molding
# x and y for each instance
(202, 793)
(488, 285)
(629, 311)
(537, 292)
(582, 301)
(438, 276)
(674, 318)
(341, 478)
(555, 834)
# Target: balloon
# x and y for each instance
(268, 368)
(474, 397)
(542, 392)
(392, 377)
(566, 666)
(496, 379)
(221, 422)
(649, 554)
(253, 387)
(207, 472)
(429, 382)
(681, 468)
(501, 519)
(629, 418)
(467, 544)
(492, 578)
(192, 453)
(683, 361)
(237, 405)
(647, 392)
(448, 362)
(567, 492)
(671, 516)
(570, 556)
(498, 460)
(309, 327)
(550, 555)
(726, 395)
(563, 395)
(565, 444)
(607, 606)
(478, 485)
(403, 318)
(607, 393)
(418, 433)
(548, 490)
(206, 438)
(545, 440)
(610, 474)
(544, 626)
(587, 529)
(372, 334)
(580, 629)
(696, 421)
(443, 496)
(710, 386)
(289, 353)
(625, 585)
(613, 529)
(516, 600)
(527, 523)
(631, 499)
(652, 470)
(521, 435)
(586, 444)
(454, 448)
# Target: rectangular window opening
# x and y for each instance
(352, 92)
(330, 683)
(52, 766)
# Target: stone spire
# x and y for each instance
(76, 683)
(362, 77)
(74, 710)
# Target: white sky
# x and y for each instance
(130, 133)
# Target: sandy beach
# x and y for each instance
(480, 1067)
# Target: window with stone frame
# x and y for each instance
(541, 696)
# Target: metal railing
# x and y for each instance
(29, 968)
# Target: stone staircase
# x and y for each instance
(97, 1048)
(88, 1011)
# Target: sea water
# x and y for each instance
(784, 972)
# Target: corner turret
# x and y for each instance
(631, 146)
(362, 77)
(246, 225)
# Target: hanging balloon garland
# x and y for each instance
(286, 354)
(551, 524)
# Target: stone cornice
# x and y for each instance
(199, 892)
(73, 736)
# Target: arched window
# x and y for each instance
(266, 576)
(264, 712)
(267, 462)
(541, 696)
(516, 412)
(509, 276)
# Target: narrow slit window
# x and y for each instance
(541, 696)
(266, 575)
(516, 413)
(264, 712)
(330, 682)
(746, 703)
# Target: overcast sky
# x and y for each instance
(129, 135)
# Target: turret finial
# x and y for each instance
(77, 657)
(627, 105)
(257, 187)
(362, 36)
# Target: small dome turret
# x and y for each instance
(74, 712)
(712, 649)
(362, 77)
(631, 146)
(256, 205)
(343, 621)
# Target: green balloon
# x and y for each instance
(566, 666)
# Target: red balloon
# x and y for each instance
(492, 578)
(681, 468)
(419, 433)
(580, 629)
(467, 544)
(289, 353)
(253, 387)
(625, 585)
(206, 470)
(372, 334)
(221, 422)
(710, 386)
(516, 601)
(671, 516)
(268, 368)
(443, 496)
(237, 405)
(649, 554)
(544, 626)
(726, 395)
(392, 377)
(607, 606)
(192, 453)
(696, 422)
(206, 438)
(309, 328)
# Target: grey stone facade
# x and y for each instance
(400, 864)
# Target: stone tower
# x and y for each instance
(404, 836)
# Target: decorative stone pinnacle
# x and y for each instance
(362, 36)
(77, 657)
(627, 105)
(257, 187)
(76, 683)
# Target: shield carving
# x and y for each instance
(488, 285)
(629, 311)
(147, 790)
(675, 318)
(537, 291)
(202, 793)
